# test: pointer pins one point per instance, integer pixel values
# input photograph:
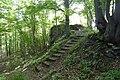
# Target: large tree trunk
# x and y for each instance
(100, 20)
(117, 21)
(109, 34)
(111, 27)
(112, 33)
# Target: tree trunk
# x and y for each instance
(109, 34)
(117, 21)
(100, 20)
(111, 28)
(67, 27)
(0, 47)
(112, 33)
(6, 45)
(33, 32)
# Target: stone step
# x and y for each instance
(64, 48)
(62, 51)
(79, 36)
(46, 63)
(76, 37)
(68, 45)
(70, 42)
(56, 55)
(53, 58)
(109, 44)
(115, 48)
(109, 53)
(74, 40)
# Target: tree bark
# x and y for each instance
(6, 45)
(117, 21)
(111, 27)
(100, 20)
(67, 27)
(109, 34)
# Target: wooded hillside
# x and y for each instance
(59, 40)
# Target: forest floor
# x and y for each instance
(86, 62)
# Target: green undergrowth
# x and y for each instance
(18, 64)
(85, 61)
(50, 51)
(53, 49)
(90, 62)
(110, 75)
(31, 62)
(71, 58)
(14, 76)
(68, 60)
(2, 77)
(17, 76)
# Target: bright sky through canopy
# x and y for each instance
(74, 18)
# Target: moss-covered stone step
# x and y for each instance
(46, 63)
(68, 45)
(53, 58)
(70, 42)
(76, 37)
(79, 36)
(74, 40)
(61, 51)
(65, 48)
(57, 55)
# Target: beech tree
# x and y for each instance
(109, 27)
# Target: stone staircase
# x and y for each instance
(55, 60)
(63, 50)
(55, 57)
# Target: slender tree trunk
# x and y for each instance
(89, 22)
(89, 15)
(15, 40)
(56, 18)
(42, 21)
(6, 45)
(0, 47)
(10, 46)
(67, 26)
(33, 28)
(33, 32)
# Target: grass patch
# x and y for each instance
(110, 75)
(2, 77)
(17, 76)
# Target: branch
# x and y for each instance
(70, 3)
(88, 9)
(108, 10)
(61, 9)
